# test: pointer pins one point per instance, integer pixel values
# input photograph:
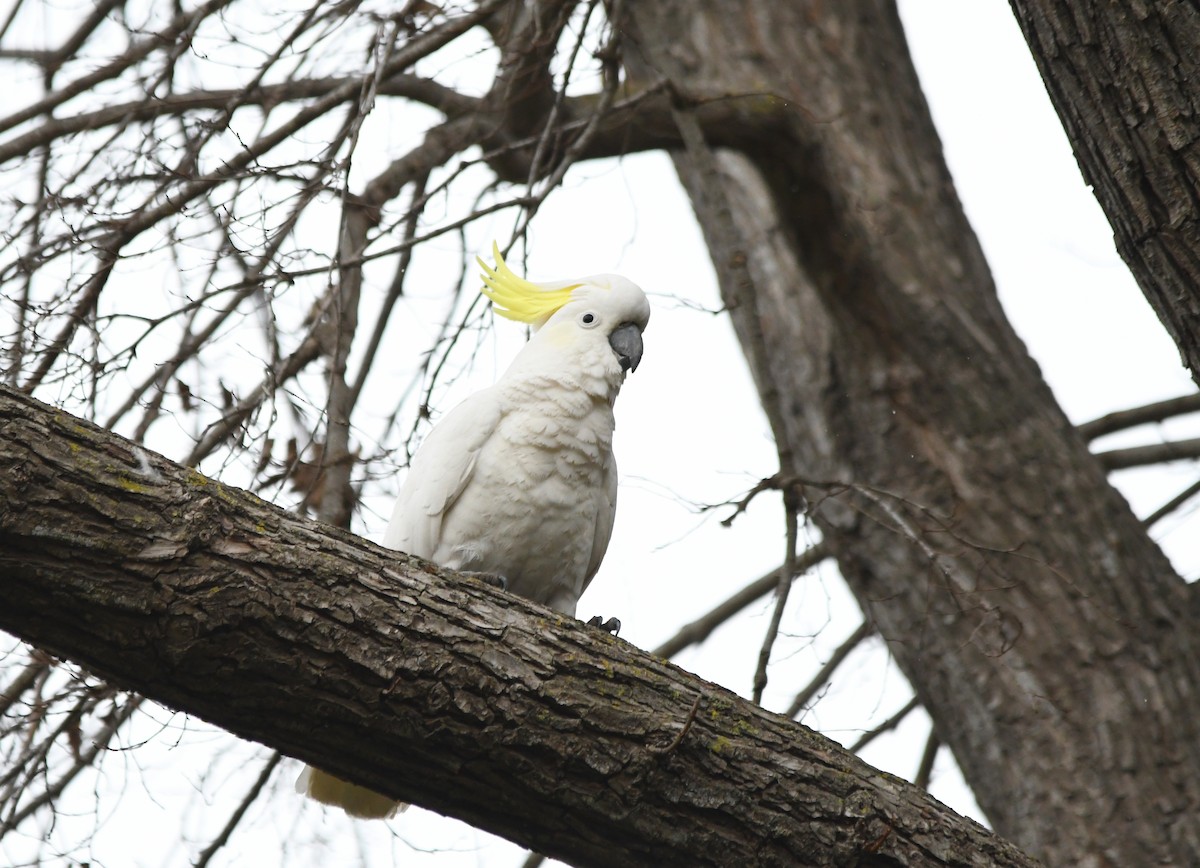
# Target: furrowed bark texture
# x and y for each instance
(1047, 635)
(422, 684)
(1123, 78)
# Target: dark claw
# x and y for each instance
(494, 579)
(612, 625)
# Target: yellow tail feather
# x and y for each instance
(354, 800)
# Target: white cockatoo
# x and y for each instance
(519, 480)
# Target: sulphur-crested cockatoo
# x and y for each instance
(519, 480)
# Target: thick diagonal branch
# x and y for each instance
(419, 683)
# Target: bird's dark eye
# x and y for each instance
(587, 317)
(588, 320)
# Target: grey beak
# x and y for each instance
(626, 341)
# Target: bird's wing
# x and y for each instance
(439, 472)
(605, 516)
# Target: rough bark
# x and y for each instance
(1047, 635)
(422, 684)
(1122, 77)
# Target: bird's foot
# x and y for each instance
(612, 625)
(494, 579)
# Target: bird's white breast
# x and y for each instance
(541, 486)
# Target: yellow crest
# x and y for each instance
(518, 299)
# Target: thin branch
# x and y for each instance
(308, 351)
(9, 18)
(75, 41)
(169, 35)
(236, 817)
(539, 158)
(1171, 505)
(771, 483)
(925, 767)
(784, 585)
(413, 87)
(1131, 418)
(579, 145)
(86, 759)
(1155, 453)
(887, 726)
(109, 250)
(16, 688)
(826, 671)
(683, 730)
(395, 290)
(700, 629)
(192, 343)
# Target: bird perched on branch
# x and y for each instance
(519, 480)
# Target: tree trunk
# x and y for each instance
(419, 683)
(1047, 635)
(1123, 78)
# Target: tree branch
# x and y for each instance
(417, 682)
(839, 655)
(1156, 412)
(925, 769)
(255, 790)
(413, 87)
(180, 27)
(887, 726)
(1154, 453)
(782, 586)
(1171, 505)
(700, 629)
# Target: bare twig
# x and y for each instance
(308, 351)
(835, 660)
(550, 125)
(925, 767)
(1173, 504)
(700, 629)
(1131, 418)
(791, 508)
(25, 679)
(86, 28)
(1155, 453)
(770, 483)
(85, 759)
(85, 306)
(887, 726)
(170, 35)
(683, 731)
(395, 290)
(413, 87)
(9, 18)
(236, 817)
